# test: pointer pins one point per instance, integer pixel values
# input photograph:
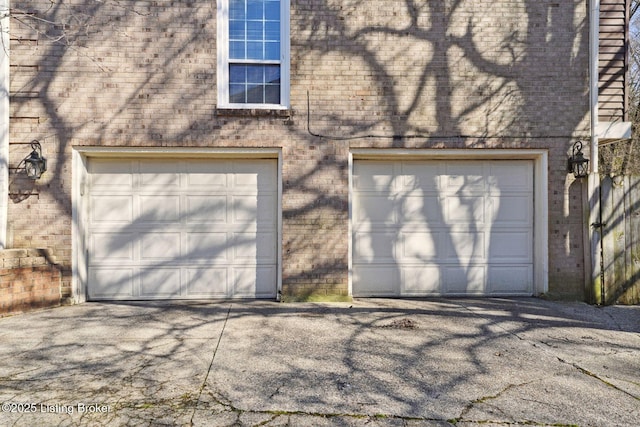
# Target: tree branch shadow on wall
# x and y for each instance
(513, 96)
(502, 97)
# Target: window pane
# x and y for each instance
(236, 30)
(272, 94)
(255, 30)
(238, 74)
(255, 9)
(237, 50)
(255, 94)
(272, 31)
(272, 74)
(237, 94)
(255, 50)
(236, 9)
(272, 51)
(255, 74)
(272, 10)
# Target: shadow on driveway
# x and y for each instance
(372, 361)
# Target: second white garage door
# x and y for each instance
(423, 228)
(181, 228)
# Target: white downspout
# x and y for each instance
(594, 42)
(4, 122)
(593, 234)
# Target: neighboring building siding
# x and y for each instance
(613, 60)
(379, 74)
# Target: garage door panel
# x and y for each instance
(266, 209)
(159, 174)
(421, 209)
(203, 245)
(375, 245)
(253, 209)
(419, 246)
(438, 227)
(511, 210)
(376, 280)
(159, 208)
(160, 246)
(111, 283)
(182, 228)
(464, 246)
(253, 176)
(464, 210)
(420, 280)
(464, 178)
(263, 277)
(206, 175)
(208, 282)
(107, 175)
(376, 210)
(206, 209)
(114, 247)
(207, 182)
(159, 282)
(111, 209)
(508, 176)
(511, 279)
(376, 176)
(255, 247)
(464, 280)
(250, 282)
(417, 176)
(510, 246)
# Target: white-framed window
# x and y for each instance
(253, 54)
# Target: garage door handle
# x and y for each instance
(599, 224)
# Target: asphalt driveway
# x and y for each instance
(372, 362)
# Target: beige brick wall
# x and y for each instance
(444, 74)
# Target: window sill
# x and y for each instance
(254, 112)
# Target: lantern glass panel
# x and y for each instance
(33, 169)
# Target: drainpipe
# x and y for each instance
(594, 277)
(594, 41)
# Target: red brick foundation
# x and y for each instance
(29, 279)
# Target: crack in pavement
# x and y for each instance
(602, 380)
(372, 418)
(213, 357)
(484, 399)
(536, 344)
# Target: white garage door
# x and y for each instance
(423, 228)
(181, 229)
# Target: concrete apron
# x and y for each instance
(370, 362)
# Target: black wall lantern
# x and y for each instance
(34, 164)
(578, 163)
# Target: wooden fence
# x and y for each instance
(620, 204)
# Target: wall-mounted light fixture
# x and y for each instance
(34, 164)
(578, 163)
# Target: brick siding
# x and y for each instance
(482, 74)
(29, 279)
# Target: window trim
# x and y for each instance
(223, 60)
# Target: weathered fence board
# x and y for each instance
(632, 296)
(620, 204)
